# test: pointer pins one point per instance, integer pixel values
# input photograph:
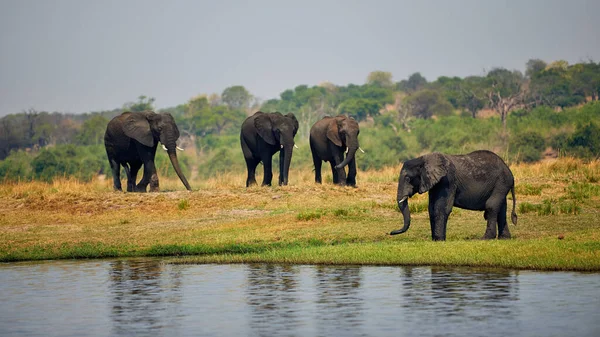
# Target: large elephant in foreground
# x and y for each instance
(131, 140)
(476, 181)
(263, 135)
(330, 139)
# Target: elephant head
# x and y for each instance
(279, 130)
(343, 131)
(149, 128)
(419, 175)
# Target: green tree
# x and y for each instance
(380, 79)
(92, 130)
(416, 82)
(505, 92)
(236, 97)
(144, 103)
(534, 67)
(426, 103)
(360, 108)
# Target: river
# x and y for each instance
(148, 297)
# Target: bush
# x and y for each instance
(528, 146)
(16, 166)
(585, 142)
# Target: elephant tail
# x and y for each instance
(513, 215)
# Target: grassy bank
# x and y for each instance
(221, 221)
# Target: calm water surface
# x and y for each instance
(145, 297)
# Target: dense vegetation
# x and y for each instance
(551, 109)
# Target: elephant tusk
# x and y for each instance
(281, 146)
(178, 148)
(296, 146)
(401, 201)
(361, 150)
(346, 151)
(164, 147)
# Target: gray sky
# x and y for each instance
(89, 55)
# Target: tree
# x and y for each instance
(92, 131)
(472, 95)
(554, 87)
(533, 67)
(505, 92)
(236, 97)
(360, 108)
(144, 103)
(585, 79)
(415, 82)
(427, 103)
(381, 79)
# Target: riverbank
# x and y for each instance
(221, 221)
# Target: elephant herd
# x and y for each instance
(477, 181)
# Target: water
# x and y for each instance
(146, 297)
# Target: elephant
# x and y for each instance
(264, 134)
(329, 139)
(478, 181)
(131, 140)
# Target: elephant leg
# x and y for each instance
(127, 174)
(317, 162)
(251, 164)
(115, 167)
(281, 162)
(150, 176)
(441, 200)
(492, 208)
(267, 161)
(131, 179)
(503, 232)
(334, 172)
(351, 179)
(341, 172)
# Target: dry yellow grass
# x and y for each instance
(47, 220)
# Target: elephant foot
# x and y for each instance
(488, 237)
(504, 236)
(140, 189)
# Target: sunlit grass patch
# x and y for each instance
(310, 215)
(551, 207)
(183, 204)
(222, 220)
(529, 189)
(418, 207)
(582, 191)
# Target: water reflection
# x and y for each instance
(453, 295)
(148, 297)
(142, 295)
(339, 304)
(273, 299)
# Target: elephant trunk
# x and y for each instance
(403, 206)
(352, 147)
(286, 158)
(175, 163)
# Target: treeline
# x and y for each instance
(550, 108)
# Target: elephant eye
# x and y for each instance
(407, 179)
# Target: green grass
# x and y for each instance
(221, 221)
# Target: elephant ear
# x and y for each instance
(435, 167)
(264, 127)
(294, 121)
(136, 126)
(333, 132)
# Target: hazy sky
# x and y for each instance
(90, 55)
